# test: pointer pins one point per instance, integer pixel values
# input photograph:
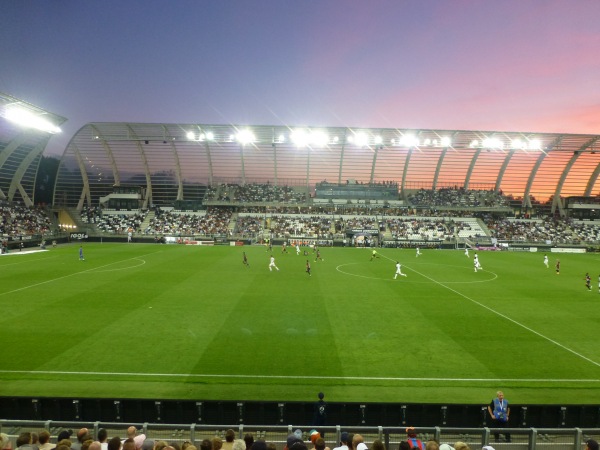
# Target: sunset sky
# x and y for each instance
(510, 65)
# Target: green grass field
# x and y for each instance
(188, 322)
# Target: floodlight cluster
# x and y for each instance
(208, 136)
(494, 143)
(306, 137)
(27, 119)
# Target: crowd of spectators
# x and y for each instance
(214, 223)
(19, 220)
(120, 223)
(255, 193)
(90, 214)
(458, 197)
(425, 229)
(249, 226)
(315, 226)
(133, 439)
(533, 230)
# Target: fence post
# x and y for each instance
(199, 408)
(117, 404)
(363, 414)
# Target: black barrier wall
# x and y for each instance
(282, 413)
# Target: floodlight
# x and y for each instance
(245, 137)
(409, 140)
(378, 139)
(27, 119)
(299, 137)
(336, 139)
(210, 136)
(319, 137)
(474, 143)
(493, 143)
(535, 144)
(445, 141)
(362, 140)
(201, 137)
(427, 142)
(281, 138)
(190, 135)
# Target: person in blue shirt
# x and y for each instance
(81, 258)
(500, 412)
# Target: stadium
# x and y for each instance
(140, 291)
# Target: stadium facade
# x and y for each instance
(21, 148)
(175, 162)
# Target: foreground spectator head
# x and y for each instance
(24, 439)
(314, 435)
(5, 443)
(82, 434)
(320, 444)
(459, 445)
(86, 444)
(160, 445)
(44, 437)
(129, 444)
(404, 445)
(298, 445)
(95, 445)
(102, 435)
(259, 445)
(433, 445)
(206, 445)
(592, 444)
(377, 445)
(345, 438)
(217, 443)
(114, 443)
(64, 434)
(229, 435)
(249, 440)
(357, 439)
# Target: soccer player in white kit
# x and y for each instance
(272, 264)
(467, 252)
(476, 264)
(418, 252)
(399, 270)
(297, 249)
(546, 261)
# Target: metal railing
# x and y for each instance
(475, 438)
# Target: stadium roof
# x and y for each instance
(172, 160)
(25, 130)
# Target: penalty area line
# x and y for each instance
(300, 377)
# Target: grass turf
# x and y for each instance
(188, 322)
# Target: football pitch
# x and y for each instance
(191, 322)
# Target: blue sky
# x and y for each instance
(512, 65)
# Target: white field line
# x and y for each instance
(90, 270)
(558, 344)
(296, 377)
